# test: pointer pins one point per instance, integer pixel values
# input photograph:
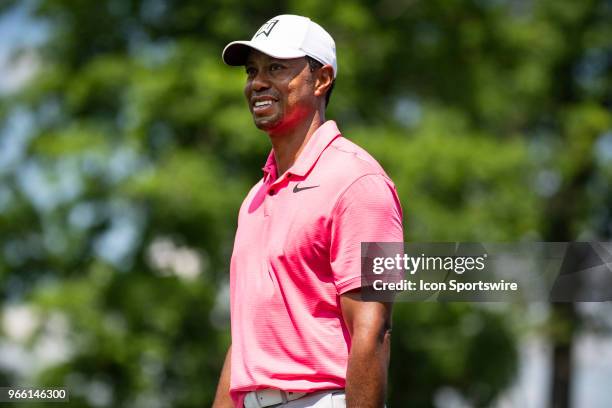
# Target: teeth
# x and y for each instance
(263, 103)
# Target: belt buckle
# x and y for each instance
(270, 397)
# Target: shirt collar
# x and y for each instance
(269, 168)
(318, 142)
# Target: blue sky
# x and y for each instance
(18, 31)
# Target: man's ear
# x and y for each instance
(324, 79)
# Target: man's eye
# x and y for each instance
(275, 67)
(250, 71)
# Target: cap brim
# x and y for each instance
(236, 52)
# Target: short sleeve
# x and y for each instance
(368, 211)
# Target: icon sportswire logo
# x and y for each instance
(266, 29)
(297, 188)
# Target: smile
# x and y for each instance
(263, 106)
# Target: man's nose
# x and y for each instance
(260, 82)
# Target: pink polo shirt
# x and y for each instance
(297, 248)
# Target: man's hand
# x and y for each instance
(369, 324)
(222, 398)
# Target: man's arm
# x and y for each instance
(369, 324)
(222, 398)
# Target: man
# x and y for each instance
(301, 336)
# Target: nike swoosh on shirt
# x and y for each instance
(297, 189)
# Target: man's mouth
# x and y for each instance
(261, 106)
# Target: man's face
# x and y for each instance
(280, 92)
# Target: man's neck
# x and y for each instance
(287, 146)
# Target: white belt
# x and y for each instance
(269, 397)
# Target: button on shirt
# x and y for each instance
(297, 249)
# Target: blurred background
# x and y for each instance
(126, 148)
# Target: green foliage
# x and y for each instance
(448, 344)
(487, 115)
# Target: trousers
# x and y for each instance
(322, 399)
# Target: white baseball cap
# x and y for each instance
(284, 37)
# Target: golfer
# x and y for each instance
(301, 335)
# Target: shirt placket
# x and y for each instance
(269, 204)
